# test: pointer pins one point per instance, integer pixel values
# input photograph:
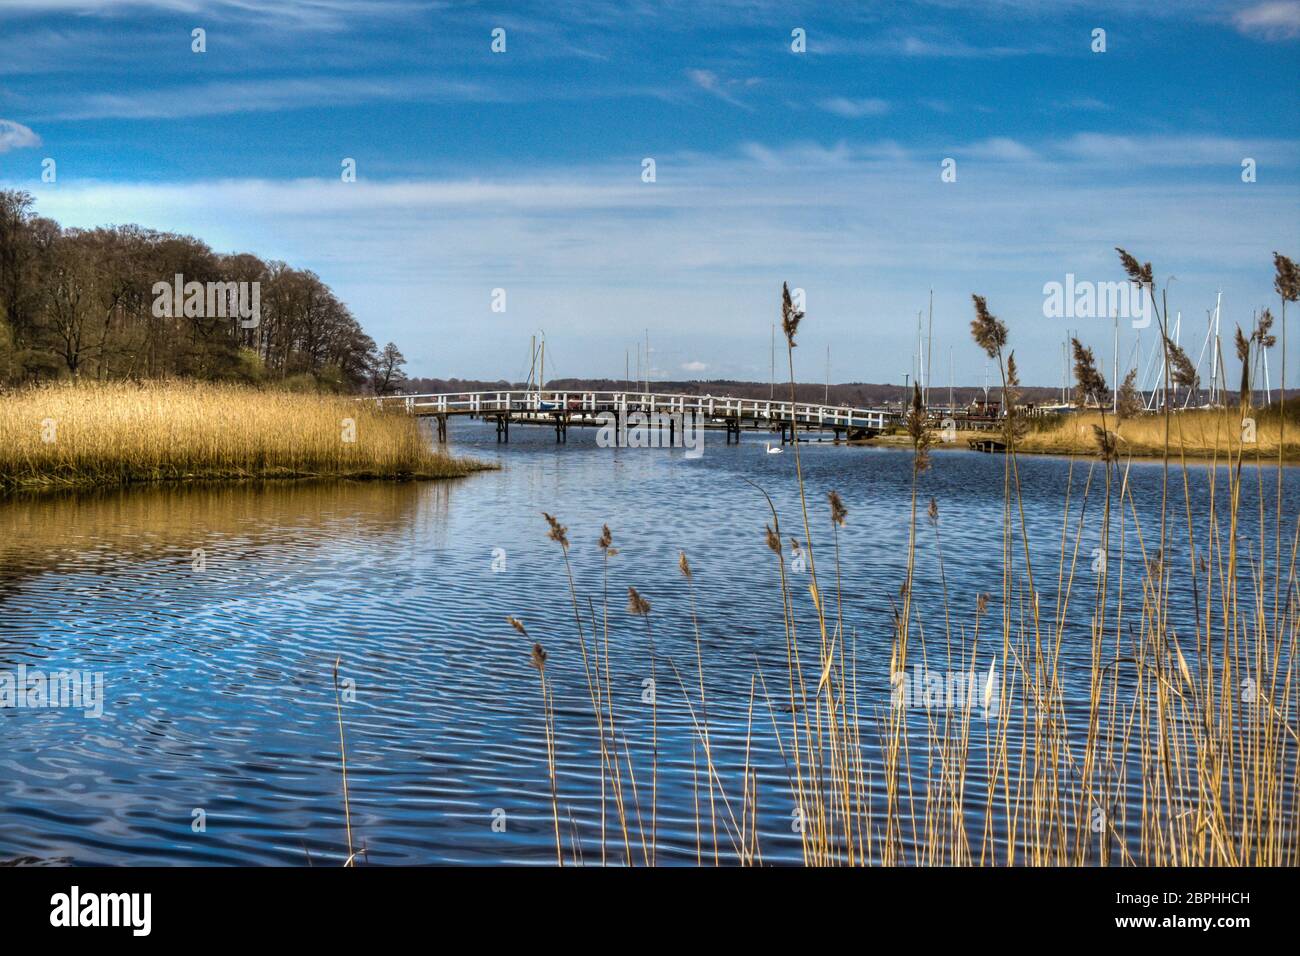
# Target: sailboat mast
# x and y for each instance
(1114, 375)
(929, 348)
(1214, 351)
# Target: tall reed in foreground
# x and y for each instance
(1180, 748)
(343, 761)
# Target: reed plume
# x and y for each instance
(838, 511)
(989, 332)
(558, 533)
(1138, 272)
(1181, 370)
(918, 430)
(1286, 280)
(1243, 353)
(773, 540)
(1263, 333)
(790, 316)
(1091, 383)
(1130, 400)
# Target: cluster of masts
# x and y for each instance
(537, 364)
(1156, 387)
(1153, 385)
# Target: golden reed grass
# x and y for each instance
(1199, 433)
(1180, 750)
(85, 434)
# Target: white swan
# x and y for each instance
(770, 449)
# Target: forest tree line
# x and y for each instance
(83, 304)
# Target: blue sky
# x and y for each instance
(522, 170)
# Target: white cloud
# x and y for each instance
(704, 79)
(1272, 20)
(16, 136)
(710, 82)
(311, 14)
(1175, 151)
(855, 109)
(595, 257)
(1088, 103)
(1000, 149)
(254, 96)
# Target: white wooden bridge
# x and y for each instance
(562, 409)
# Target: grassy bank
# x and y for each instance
(1197, 433)
(88, 435)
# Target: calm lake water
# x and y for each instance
(219, 704)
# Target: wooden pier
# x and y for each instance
(562, 410)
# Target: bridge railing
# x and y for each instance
(547, 403)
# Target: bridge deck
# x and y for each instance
(532, 407)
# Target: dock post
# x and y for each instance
(442, 429)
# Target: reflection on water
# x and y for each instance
(216, 613)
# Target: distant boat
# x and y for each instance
(548, 406)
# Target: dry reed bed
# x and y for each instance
(83, 435)
(1200, 433)
(1183, 752)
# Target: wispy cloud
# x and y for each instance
(1272, 20)
(1000, 149)
(855, 109)
(1186, 151)
(16, 136)
(311, 14)
(260, 96)
(710, 82)
(929, 44)
(1089, 104)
